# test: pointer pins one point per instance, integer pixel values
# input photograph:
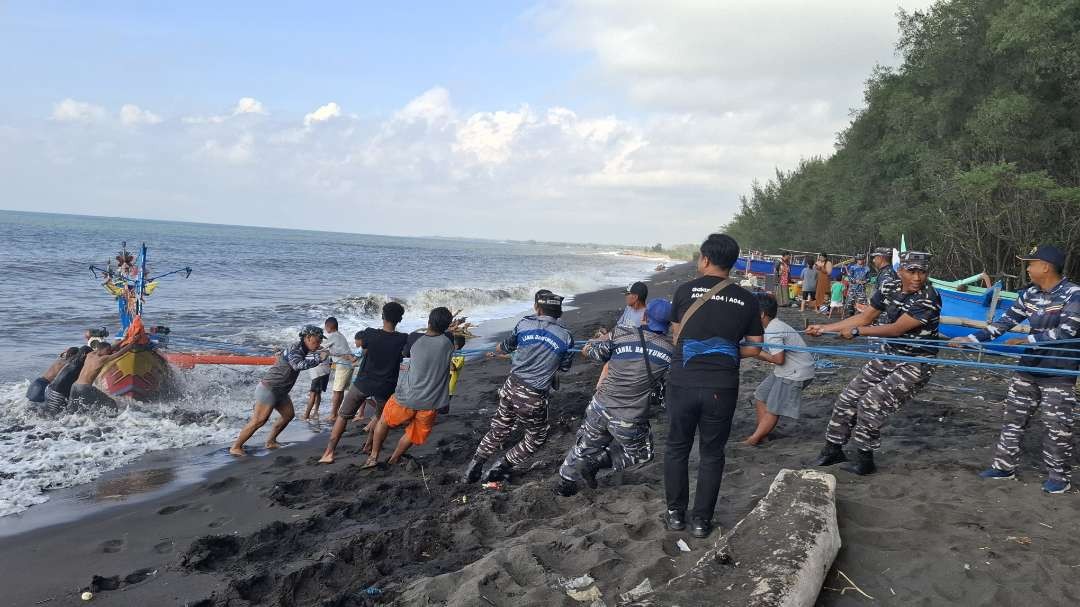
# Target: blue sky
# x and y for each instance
(587, 120)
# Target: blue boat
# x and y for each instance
(756, 266)
(964, 312)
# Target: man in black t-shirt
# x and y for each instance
(377, 376)
(703, 385)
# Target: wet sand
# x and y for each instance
(277, 529)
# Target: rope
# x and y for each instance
(921, 360)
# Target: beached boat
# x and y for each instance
(749, 265)
(963, 312)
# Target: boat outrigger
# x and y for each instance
(147, 372)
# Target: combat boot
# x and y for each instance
(498, 472)
(831, 454)
(565, 488)
(863, 464)
(473, 471)
(589, 469)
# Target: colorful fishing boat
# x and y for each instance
(148, 370)
(142, 374)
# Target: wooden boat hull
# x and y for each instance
(142, 375)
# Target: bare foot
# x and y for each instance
(366, 448)
(370, 463)
(753, 442)
(273, 445)
(237, 451)
(327, 458)
(393, 460)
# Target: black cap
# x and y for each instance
(883, 252)
(547, 298)
(859, 257)
(640, 289)
(1048, 253)
(915, 260)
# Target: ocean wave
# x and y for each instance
(43, 454)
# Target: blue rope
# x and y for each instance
(921, 359)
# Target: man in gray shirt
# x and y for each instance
(422, 387)
(615, 432)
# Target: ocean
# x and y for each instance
(249, 286)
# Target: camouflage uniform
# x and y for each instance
(857, 277)
(884, 385)
(633, 445)
(519, 406)
(541, 347)
(616, 430)
(1053, 315)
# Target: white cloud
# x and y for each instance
(323, 113)
(238, 152)
(246, 105)
(131, 115)
(70, 110)
(432, 106)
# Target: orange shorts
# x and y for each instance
(420, 422)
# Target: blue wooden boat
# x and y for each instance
(755, 266)
(964, 312)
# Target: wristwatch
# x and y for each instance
(855, 331)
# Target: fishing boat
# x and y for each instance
(149, 370)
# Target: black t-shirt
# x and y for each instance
(707, 355)
(378, 372)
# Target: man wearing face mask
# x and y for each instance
(1051, 305)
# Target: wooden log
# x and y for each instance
(778, 556)
(977, 324)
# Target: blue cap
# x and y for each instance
(658, 315)
(1048, 253)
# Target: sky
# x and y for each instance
(632, 122)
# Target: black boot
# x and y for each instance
(831, 454)
(499, 472)
(863, 464)
(589, 469)
(565, 488)
(473, 471)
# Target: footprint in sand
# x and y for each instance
(172, 509)
(164, 547)
(112, 546)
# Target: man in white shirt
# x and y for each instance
(636, 296)
(781, 392)
(341, 359)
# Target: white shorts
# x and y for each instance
(342, 377)
(836, 304)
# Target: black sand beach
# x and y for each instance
(280, 530)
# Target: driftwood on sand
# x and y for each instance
(777, 556)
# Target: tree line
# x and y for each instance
(970, 148)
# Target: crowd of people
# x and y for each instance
(682, 355)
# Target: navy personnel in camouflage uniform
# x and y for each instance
(541, 348)
(858, 275)
(882, 261)
(912, 310)
(1052, 306)
(615, 432)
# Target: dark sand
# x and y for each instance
(280, 530)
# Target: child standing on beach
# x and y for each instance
(836, 299)
(456, 364)
(422, 388)
(542, 348)
(320, 380)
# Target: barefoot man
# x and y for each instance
(272, 393)
(423, 386)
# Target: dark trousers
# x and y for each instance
(706, 412)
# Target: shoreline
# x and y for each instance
(279, 530)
